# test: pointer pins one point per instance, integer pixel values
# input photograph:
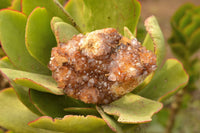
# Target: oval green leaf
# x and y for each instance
(5, 3)
(148, 43)
(180, 13)
(14, 115)
(194, 42)
(53, 7)
(12, 37)
(62, 31)
(39, 37)
(53, 105)
(192, 27)
(16, 5)
(55, 20)
(22, 92)
(133, 109)
(32, 80)
(110, 122)
(91, 15)
(156, 35)
(166, 81)
(72, 124)
(128, 33)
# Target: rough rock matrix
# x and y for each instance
(101, 66)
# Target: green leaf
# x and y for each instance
(36, 81)
(180, 13)
(143, 84)
(53, 7)
(110, 122)
(63, 31)
(194, 42)
(22, 92)
(132, 108)
(92, 14)
(185, 20)
(5, 63)
(16, 5)
(128, 33)
(148, 43)
(53, 105)
(156, 35)
(141, 31)
(193, 26)
(12, 37)
(5, 3)
(48, 104)
(180, 51)
(2, 53)
(39, 37)
(62, 2)
(81, 111)
(72, 124)
(14, 115)
(177, 35)
(166, 81)
(55, 20)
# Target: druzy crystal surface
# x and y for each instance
(101, 66)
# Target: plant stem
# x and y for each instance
(175, 107)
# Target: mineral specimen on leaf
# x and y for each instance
(101, 66)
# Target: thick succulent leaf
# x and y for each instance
(53, 105)
(48, 104)
(179, 20)
(36, 81)
(23, 95)
(16, 5)
(177, 35)
(128, 33)
(156, 35)
(194, 42)
(54, 8)
(39, 82)
(39, 37)
(14, 115)
(63, 31)
(141, 31)
(81, 111)
(185, 20)
(193, 26)
(166, 81)
(132, 108)
(148, 43)
(22, 92)
(12, 37)
(5, 63)
(92, 14)
(55, 20)
(72, 124)
(5, 3)
(180, 51)
(63, 2)
(143, 84)
(180, 13)
(110, 122)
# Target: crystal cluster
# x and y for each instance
(101, 66)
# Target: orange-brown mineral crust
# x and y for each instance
(101, 66)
